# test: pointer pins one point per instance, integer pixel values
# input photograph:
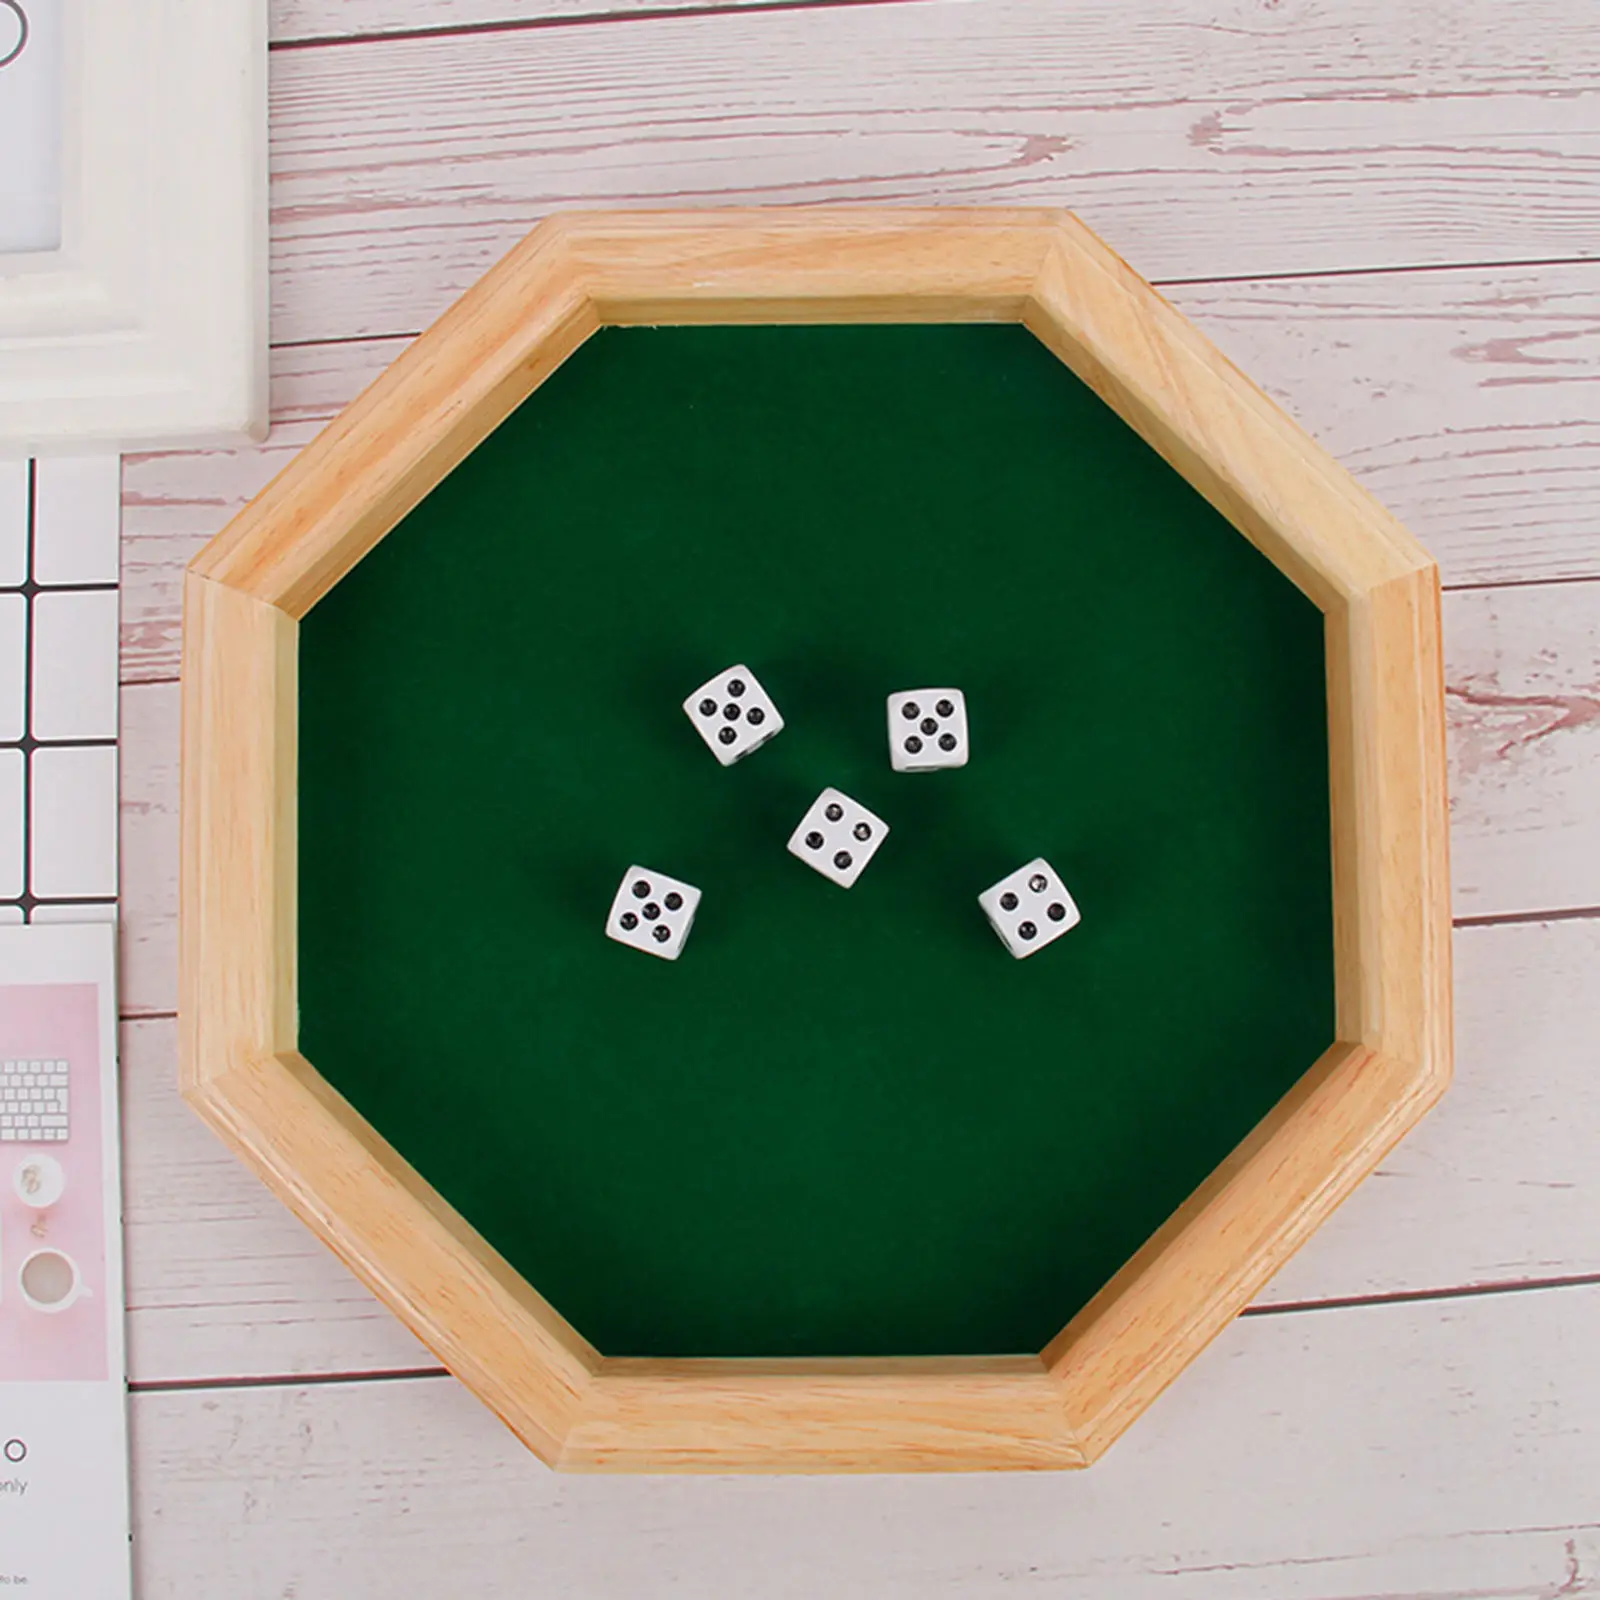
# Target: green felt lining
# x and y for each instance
(844, 1122)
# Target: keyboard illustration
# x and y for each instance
(33, 1102)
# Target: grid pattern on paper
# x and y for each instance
(59, 528)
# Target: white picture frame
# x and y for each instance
(148, 325)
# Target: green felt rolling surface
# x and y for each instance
(844, 1123)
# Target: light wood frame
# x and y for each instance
(148, 323)
(576, 1408)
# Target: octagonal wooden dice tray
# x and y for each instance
(242, 1068)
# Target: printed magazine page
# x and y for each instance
(63, 1425)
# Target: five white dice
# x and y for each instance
(733, 714)
(838, 836)
(1029, 908)
(653, 912)
(927, 730)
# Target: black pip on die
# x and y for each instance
(927, 730)
(838, 836)
(1029, 908)
(653, 912)
(733, 714)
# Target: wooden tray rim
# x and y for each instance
(246, 592)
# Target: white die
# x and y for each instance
(653, 912)
(927, 730)
(838, 836)
(733, 714)
(1029, 908)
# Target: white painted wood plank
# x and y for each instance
(1430, 1452)
(1462, 399)
(402, 169)
(148, 958)
(1523, 686)
(1498, 1185)
(222, 1281)
(300, 22)
(174, 502)
(1229, 36)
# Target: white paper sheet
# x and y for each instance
(64, 1520)
(59, 528)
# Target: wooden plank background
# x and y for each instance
(1389, 212)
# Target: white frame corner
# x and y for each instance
(149, 324)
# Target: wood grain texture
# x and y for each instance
(1494, 1199)
(1523, 680)
(1497, 1186)
(1193, 1276)
(908, 1416)
(238, 1022)
(1436, 138)
(1358, 1454)
(817, 264)
(1174, 388)
(1391, 895)
(417, 421)
(359, 1196)
(1541, 635)
(298, 23)
(1459, 398)
(1474, 46)
(147, 969)
(1391, 868)
(1392, 959)
(222, 1280)
(237, 885)
(1380, 591)
(548, 1385)
(293, 542)
(1494, 1187)
(1525, 724)
(445, 393)
(1442, 1458)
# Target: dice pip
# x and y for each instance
(838, 836)
(733, 714)
(1029, 908)
(653, 912)
(927, 730)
